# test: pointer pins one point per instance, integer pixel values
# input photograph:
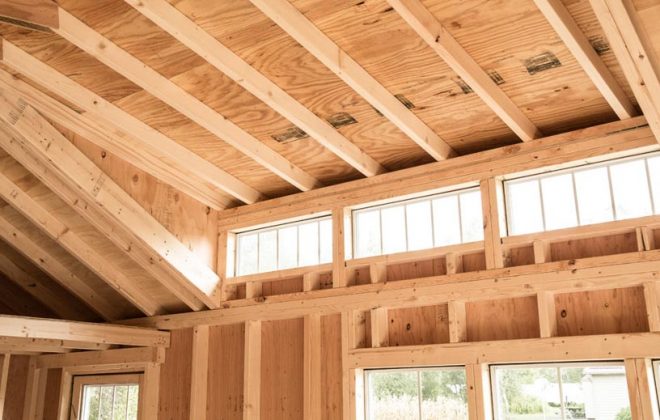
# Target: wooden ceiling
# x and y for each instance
(392, 100)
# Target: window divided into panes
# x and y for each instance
(416, 394)
(561, 392)
(106, 397)
(596, 193)
(438, 220)
(284, 246)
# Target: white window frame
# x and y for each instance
(418, 370)
(573, 170)
(403, 203)
(558, 365)
(276, 228)
(81, 381)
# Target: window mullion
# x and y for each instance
(419, 394)
(609, 181)
(561, 394)
(649, 184)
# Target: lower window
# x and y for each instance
(416, 394)
(561, 392)
(106, 397)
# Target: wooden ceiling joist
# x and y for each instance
(285, 15)
(67, 237)
(576, 41)
(59, 270)
(31, 328)
(17, 342)
(43, 143)
(632, 50)
(425, 24)
(103, 49)
(120, 133)
(40, 288)
(201, 42)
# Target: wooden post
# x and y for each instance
(200, 363)
(311, 281)
(641, 389)
(478, 387)
(542, 253)
(492, 237)
(457, 322)
(645, 238)
(150, 392)
(378, 272)
(380, 334)
(66, 388)
(347, 344)
(547, 314)
(31, 390)
(253, 289)
(454, 263)
(652, 301)
(340, 231)
(252, 371)
(312, 388)
(222, 265)
(4, 375)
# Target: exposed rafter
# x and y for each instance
(43, 143)
(569, 32)
(120, 133)
(67, 237)
(422, 21)
(627, 40)
(167, 91)
(285, 15)
(197, 39)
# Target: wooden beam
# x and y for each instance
(585, 145)
(43, 142)
(340, 232)
(634, 54)
(576, 41)
(347, 344)
(4, 377)
(199, 375)
(652, 302)
(427, 26)
(645, 238)
(378, 273)
(16, 326)
(43, 345)
(588, 347)
(614, 271)
(150, 397)
(478, 391)
(453, 263)
(121, 357)
(121, 134)
(312, 381)
(380, 333)
(547, 314)
(42, 13)
(542, 251)
(252, 371)
(101, 48)
(285, 15)
(60, 270)
(491, 220)
(641, 389)
(31, 391)
(67, 237)
(168, 18)
(457, 321)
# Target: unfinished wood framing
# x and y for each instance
(252, 371)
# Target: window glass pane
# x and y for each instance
(326, 240)
(247, 251)
(368, 233)
(308, 241)
(110, 402)
(444, 394)
(654, 175)
(90, 402)
(595, 392)
(119, 402)
(524, 203)
(472, 216)
(268, 251)
(559, 202)
(105, 411)
(631, 191)
(418, 217)
(527, 393)
(394, 229)
(593, 192)
(446, 222)
(287, 247)
(393, 395)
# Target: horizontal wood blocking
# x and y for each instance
(593, 347)
(118, 357)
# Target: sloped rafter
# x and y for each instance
(55, 267)
(422, 21)
(67, 237)
(37, 140)
(201, 42)
(627, 40)
(285, 15)
(120, 133)
(90, 41)
(41, 287)
(568, 30)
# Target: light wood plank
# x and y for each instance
(478, 390)
(453, 263)
(31, 391)
(150, 392)
(42, 13)
(45, 343)
(542, 251)
(197, 39)
(576, 41)
(457, 322)
(380, 333)
(92, 42)
(645, 238)
(312, 381)
(427, 26)
(652, 302)
(340, 233)
(118, 357)
(491, 220)
(4, 377)
(285, 15)
(547, 314)
(378, 273)
(641, 389)
(252, 371)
